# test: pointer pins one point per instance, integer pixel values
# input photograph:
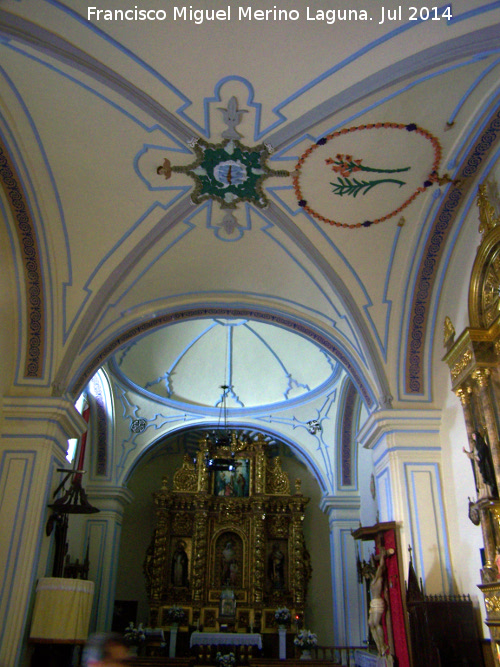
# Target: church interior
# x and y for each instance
(250, 331)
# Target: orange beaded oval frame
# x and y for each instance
(411, 127)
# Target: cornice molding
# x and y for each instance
(111, 498)
(385, 422)
(27, 414)
(330, 503)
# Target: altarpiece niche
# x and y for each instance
(228, 534)
(474, 362)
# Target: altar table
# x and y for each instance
(225, 639)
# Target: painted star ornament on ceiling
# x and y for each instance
(228, 172)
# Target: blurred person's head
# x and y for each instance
(105, 648)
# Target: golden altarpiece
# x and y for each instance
(474, 362)
(221, 532)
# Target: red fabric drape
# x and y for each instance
(395, 593)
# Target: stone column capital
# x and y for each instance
(109, 498)
(43, 415)
(383, 423)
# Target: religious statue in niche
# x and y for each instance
(180, 562)
(277, 567)
(229, 566)
(482, 462)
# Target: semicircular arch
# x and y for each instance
(300, 452)
(366, 382)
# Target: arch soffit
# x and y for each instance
(364, 382)
(347, 426)
(32, 291)
(296, 447)
(423, 292)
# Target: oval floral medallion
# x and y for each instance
(363, 175)
(230, 172)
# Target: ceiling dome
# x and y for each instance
(262, 364)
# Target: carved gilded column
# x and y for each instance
(297, 565)
(259, 551)
(482, 378)
(201, 467)
(489, 571)
(200, 551)
(495, 518)
(260, 472)
(160, 555)
(463, 395)
(159, 550)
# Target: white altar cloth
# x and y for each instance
(225, 639)
(366, 659)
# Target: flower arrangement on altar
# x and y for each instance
(225, 659)
(282, 616)
(175, 614)
(134, 636)
(305, 639)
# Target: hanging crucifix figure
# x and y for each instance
(482, 463)
(376, 572)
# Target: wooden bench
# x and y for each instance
(162, 661)
(292, 662)
(322, 656)
(343, 655)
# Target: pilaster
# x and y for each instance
(407, 462)
(349, 613)
(102, 533)
(33, 444)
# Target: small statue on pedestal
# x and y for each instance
(480, 456)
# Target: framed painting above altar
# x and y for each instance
(233, 483)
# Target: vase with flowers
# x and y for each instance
(225, 659)
(175, 615)
(306, 640)
(134, 637)
(282, 617)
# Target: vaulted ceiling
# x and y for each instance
(203, 201)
